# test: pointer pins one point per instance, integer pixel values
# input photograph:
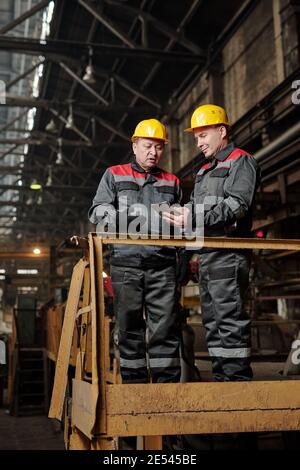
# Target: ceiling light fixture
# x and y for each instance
(49, 179)
(35, 185)
(89, 76)
(59, 158)
(51, 127)
(70, 118)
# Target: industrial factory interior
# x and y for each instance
(110, 342)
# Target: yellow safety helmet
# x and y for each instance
(150, 129)
(208, 115)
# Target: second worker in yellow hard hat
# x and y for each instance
(224, 190)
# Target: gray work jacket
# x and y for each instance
(124, 185)
(226, 187)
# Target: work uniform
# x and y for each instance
(226, 186)
(143, 276)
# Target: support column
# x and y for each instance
(175, 163)
(290, 24)
(52, 271)
(215, 83)
(278, 41)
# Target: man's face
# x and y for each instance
(211, 139)
(148, 152)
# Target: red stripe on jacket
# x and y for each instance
(236, 154)
(127, 170)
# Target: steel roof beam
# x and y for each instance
(8, 151)
(20, 102)
(23, 75)
(55, 168)
(73, 128)
(51, 219)
(65, 143)
(35, 9)
(23, 204)
(107, 23)
(127, 85)
(112, 128)
(118, 63)
(16, 119)
(91, 34)
(7, 187)
(33, 131)
(156, 67)
(18, 154)
(176, 35)
(65, 158)
(57, 49)
(82, 83)
(40, 224)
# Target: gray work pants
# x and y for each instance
(224, 280)
(147, 298)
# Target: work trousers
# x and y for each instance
(224, 280)
(146, 299)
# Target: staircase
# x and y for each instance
(30, 384)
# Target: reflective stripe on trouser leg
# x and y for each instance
(210, 323)
(164, 330)
(128, 305)
(227, 277)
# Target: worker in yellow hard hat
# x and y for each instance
(143, 277)
(210, 126)
(148, 141)
(224, 192)
(208, 115)
(151, 129)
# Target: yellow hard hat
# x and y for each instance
(208, 115)
(151, 129)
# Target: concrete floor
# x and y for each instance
(29, 433)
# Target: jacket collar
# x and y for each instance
(137, 167)
(225, 152)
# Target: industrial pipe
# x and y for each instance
(288, 136)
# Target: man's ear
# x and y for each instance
(224, 132)
(134, 147)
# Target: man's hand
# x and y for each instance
(177, 216)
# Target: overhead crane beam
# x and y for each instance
(57, 49)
